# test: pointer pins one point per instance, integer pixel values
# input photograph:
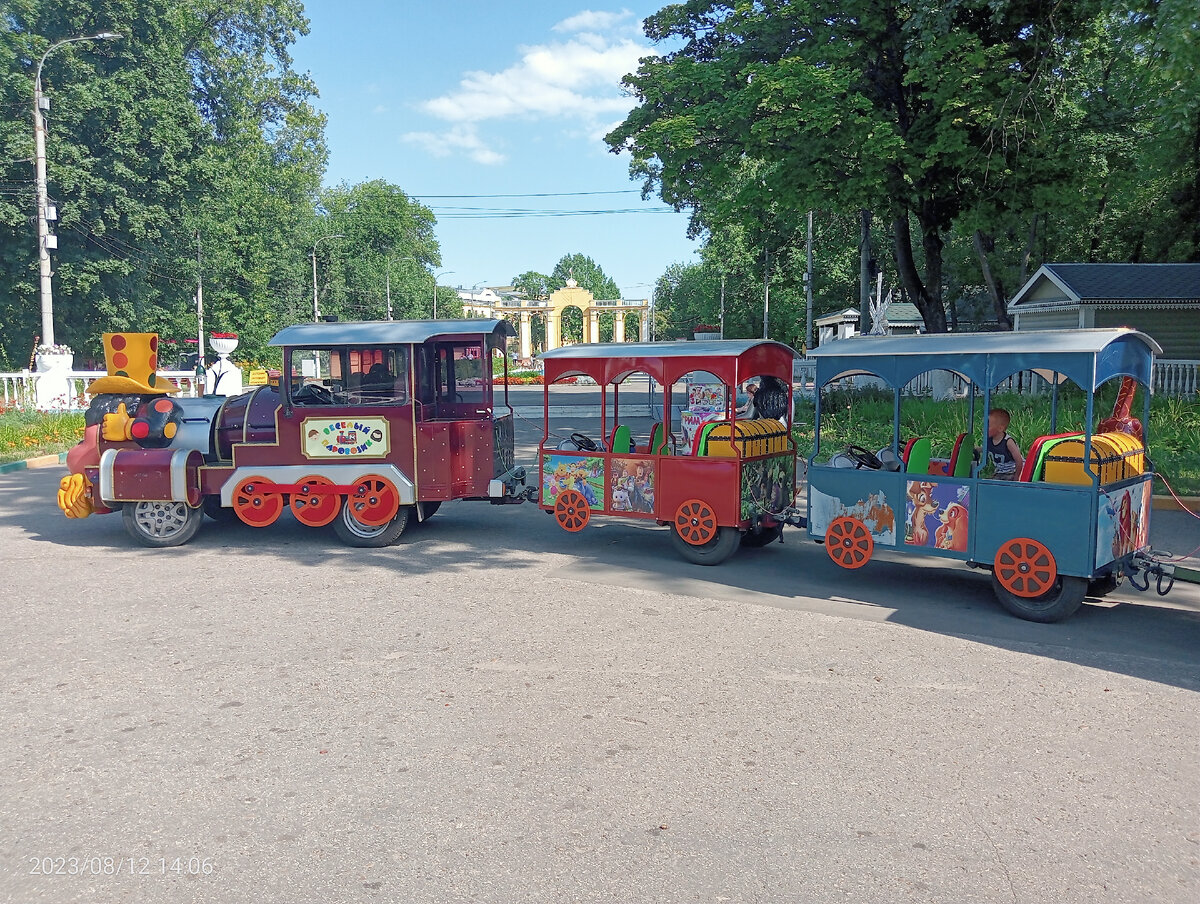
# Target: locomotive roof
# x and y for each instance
(386, 332)
(1089, 357)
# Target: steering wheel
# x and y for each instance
(322, 395)
(864, 458)
(586, 443)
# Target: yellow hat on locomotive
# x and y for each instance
(131, 360)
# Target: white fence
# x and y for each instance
(18, 390)
(1171, 379)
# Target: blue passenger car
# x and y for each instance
(1070, 523)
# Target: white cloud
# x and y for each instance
(575, 80)
(379, 108)
(592, 20)
(578, 77)
(461, 139)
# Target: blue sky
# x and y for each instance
(485, 98)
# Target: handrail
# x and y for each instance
(19, 389)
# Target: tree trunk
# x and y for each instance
(864, 271)
(930, 306)
(994, 286)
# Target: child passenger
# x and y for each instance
(1002, 450)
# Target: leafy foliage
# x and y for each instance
(981, 134)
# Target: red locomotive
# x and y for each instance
(371, 424)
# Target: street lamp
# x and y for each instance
(316, 308)
(473, 288)
(44, 238)
(435, 280)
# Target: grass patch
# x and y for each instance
(863, 417)
(28, 434)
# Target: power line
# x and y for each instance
(545, 194)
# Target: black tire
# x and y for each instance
(161, 524)
(1054, 605)
(429, 509)
(765, 537)
(714, 552)
(1103, 586)
(353, 532)
(217, 512)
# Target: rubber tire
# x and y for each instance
(1103, 586)
(213, 509)
(714, 552)
(429, 509)
(353, 532)
(1053, 606)
(192, 518)
(765, 537)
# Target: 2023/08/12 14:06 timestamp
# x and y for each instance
(120, 866)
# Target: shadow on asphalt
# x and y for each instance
(1138, 636)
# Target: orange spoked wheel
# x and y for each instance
(312, 504)
(571, 510)
(696, 522)
(256, 502)
(1025, 568)
(848, 542)
(374, 501)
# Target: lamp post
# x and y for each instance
(316, 307)
(473, 288)
(435, 280)
(44, 239)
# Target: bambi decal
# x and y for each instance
(873, 511)
(573, 472)
(768, 485)
(1121, 523)
(937, 515)
(632, 485)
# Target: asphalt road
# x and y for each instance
(495, 710)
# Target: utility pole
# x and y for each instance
(316, 305)
(45, 240)
(766, 288)
(388, 288)
(722, 305)
(199, 305)
(864, 273)
(808, 292)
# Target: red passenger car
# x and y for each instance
(717, 480)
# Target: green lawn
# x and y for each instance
(27, 434)
(864, 418)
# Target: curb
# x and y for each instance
(42, 461)
(1170, 504)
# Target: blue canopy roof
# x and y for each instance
(386, 332)
(1087, 357)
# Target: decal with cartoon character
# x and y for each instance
(573, 472)
(937, 515)
(632, 481)
(874, 512)
(1121, 523)
(768, 485)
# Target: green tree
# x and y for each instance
(914, 111)
(532, 285)
(387, 238)
(192, 123)
(586, 273)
